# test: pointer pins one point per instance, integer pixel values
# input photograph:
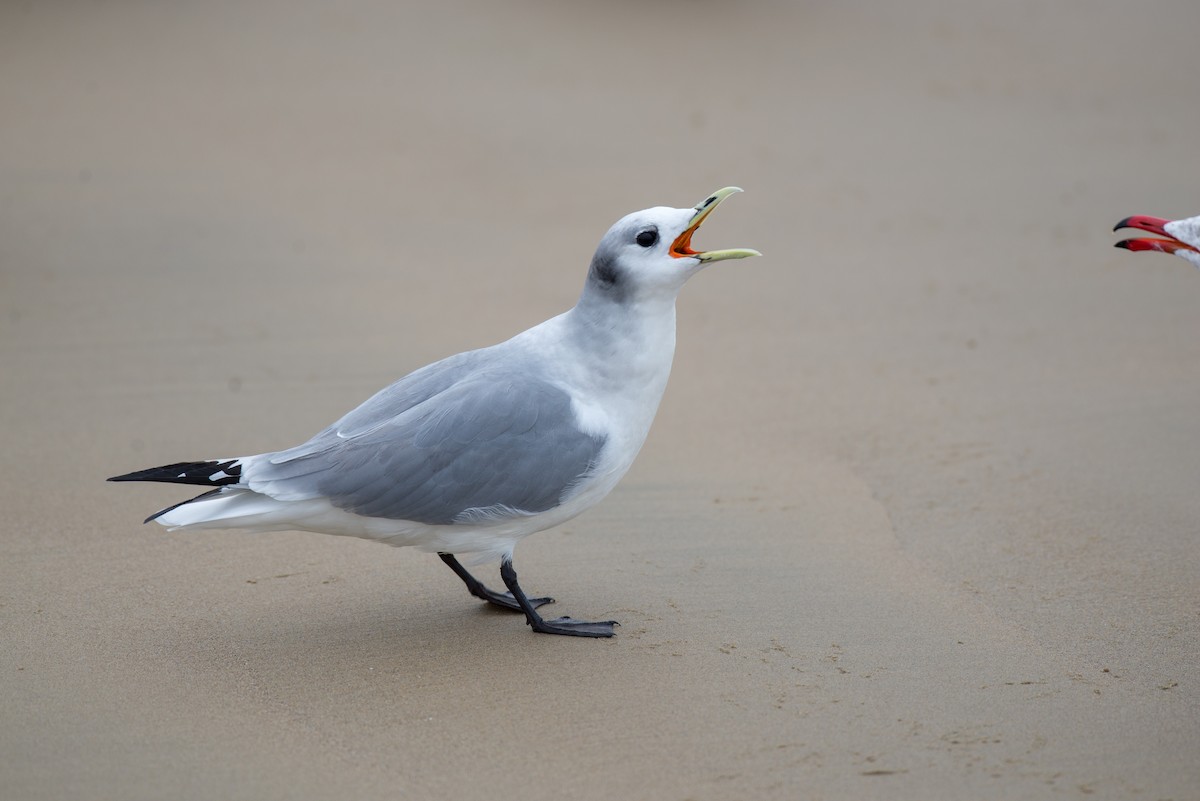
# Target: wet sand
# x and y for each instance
(918, 518)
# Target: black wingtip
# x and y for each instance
(211, 473)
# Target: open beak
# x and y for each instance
(681, 248)
(1155, 225)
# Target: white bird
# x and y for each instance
(1182, 236)
(475, 452)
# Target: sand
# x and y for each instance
(918, 518)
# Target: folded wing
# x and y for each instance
(474, 445)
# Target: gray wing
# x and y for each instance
(440, 449)
(416, 387)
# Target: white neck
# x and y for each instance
(614, 359)
(626, 344)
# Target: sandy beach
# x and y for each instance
(919, 517)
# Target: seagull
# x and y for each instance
(1182, 236)
(471, 454)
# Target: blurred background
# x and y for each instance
(918, 517)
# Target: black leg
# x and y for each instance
(504, 600)
(562, 625)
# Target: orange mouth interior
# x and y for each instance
(681, 248)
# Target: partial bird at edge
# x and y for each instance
(1178, 237)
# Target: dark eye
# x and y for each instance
(647, 238)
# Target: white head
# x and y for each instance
(650, 252)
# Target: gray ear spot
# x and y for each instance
(604, 270)
(647, 238)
